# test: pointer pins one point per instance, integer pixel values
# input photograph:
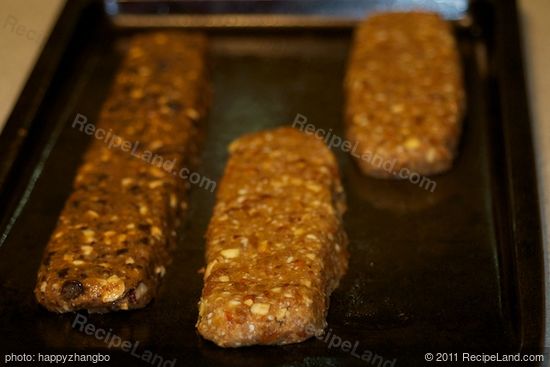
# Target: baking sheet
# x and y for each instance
(429, 271)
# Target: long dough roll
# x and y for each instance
(113, 238)
(276, 248)
(404, 94)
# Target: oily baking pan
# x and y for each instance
(456, 269)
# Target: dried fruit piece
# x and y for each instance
(71, 289)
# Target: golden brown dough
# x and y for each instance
(113, 238)
(404, 94)
(276, 248)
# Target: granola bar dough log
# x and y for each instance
(113, 239)
(404, 94)
(275, 245)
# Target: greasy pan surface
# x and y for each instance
(429, 271)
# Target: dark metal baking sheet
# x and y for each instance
(457, 269)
